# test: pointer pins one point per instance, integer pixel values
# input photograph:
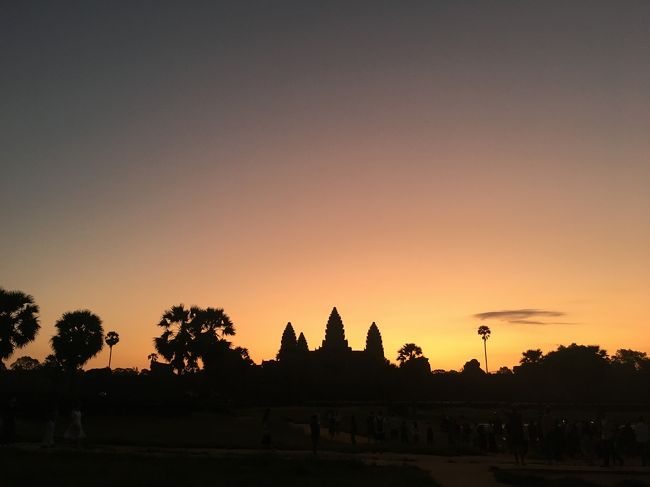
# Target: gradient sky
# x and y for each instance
(412, 163)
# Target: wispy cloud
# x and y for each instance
(527, 316)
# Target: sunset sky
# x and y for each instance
(414, 163)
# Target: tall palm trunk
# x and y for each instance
(110, 356)
(485, 351)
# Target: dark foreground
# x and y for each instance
(70, 468)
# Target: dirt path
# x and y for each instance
(461, 471)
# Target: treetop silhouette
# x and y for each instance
(194, 334)
(79, 338)
(19, 321)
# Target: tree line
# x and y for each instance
(194, 343)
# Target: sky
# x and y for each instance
(427, 165)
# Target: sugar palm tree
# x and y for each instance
(18, 321)
(484, 331)
(112, 339)
(191, 334)
(79, 338)
(408, 352)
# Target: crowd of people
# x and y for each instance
(74, 433)
(553, 439)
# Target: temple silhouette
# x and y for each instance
(334, 349)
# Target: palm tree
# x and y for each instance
(112, 339)
(192, 334)
(484, 331)
(18, 321)
(408, 352)
(79, 338)
(153, 358)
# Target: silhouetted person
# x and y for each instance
(331, 423)
(607, 433)
(380, 427)
(641, 438)
(370, 426)
(50, 425)
(516, 438)
(429, 435)
(353, 430)
(416, 433)
(547, 426)
(266, 428)
(75, 432)
(404, 432)
(314, 432)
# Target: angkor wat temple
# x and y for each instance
(334, 349)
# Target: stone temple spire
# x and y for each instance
(374, 345)
(335, 334)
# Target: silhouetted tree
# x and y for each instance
(153, 358)
(374, 345)
(473, 367)
(301, 344)
(193, 334)
(51, 363)
(531, 357)
(25, 364)
(504, 371)
(484, 332)
(112, 339)
(79, 338)
(288, 344)
(18, 321)
(409, 351)
(631, 359)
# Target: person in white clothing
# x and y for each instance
(75, 432)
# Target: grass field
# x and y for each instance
(71, 468)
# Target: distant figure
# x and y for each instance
(266, 428)
(429, 435)
(516, 438)
(353, 430)
(380, 427)
(8, 422)
(331, 423)
(641, 436)
(404, 432)
(75, 433)
(314, 429)
(416, 432)
(50, 425)
(370, 426)
(547, 427)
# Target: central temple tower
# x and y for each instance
(335, 334)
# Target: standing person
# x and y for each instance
(641, 437)
(50, 425)
(353, 429)
(370, 426)
(75, 432)
(547, 427)
(266, 428)
(516, 438)
(429, 435)
(314, 429)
